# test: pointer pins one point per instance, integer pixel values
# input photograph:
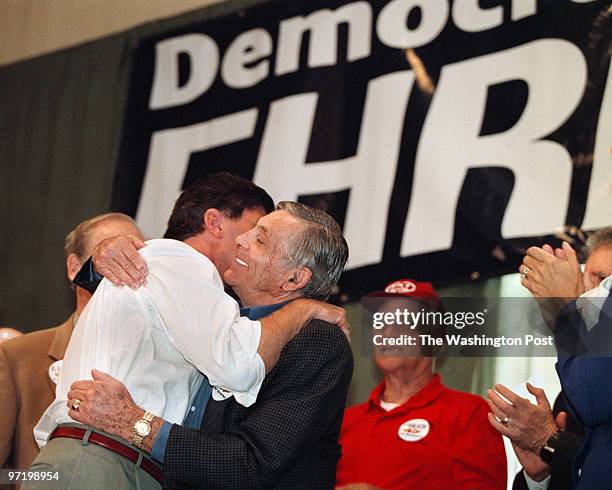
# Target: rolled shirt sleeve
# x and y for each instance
(204, 322)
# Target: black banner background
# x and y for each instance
(478, 249)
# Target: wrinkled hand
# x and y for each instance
(552, 274)
(118, 260)
(105, 404)
(529, 426)
(332, 314)
(531, 463)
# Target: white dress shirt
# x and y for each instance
(157, 339)
(591, 302)
(536, 485)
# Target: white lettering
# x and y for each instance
(392, 28)
(282, 170)
(599, 202)
(450, 143)
(169, 157)
(204, 58)
(323, 27)
(523, 8)
(469, 17)
(246, 49)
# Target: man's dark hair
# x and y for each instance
(228, 193)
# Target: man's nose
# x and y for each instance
(241, 241)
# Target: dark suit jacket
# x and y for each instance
(585, 379)
(26, 390)
(287, 439)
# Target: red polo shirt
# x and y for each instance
(446, 442)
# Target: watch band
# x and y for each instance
(547, 452)
(138, 438)
(137, 441)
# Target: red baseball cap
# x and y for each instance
(410, 288)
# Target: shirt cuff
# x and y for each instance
(161, 441)
(536, 485)
(244, 398)
(245, 338)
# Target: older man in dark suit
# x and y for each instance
(288, 439)
(541, 443)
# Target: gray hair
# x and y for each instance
(598, 239)
(77, 241)
(321, 247)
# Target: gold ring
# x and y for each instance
(76, 404)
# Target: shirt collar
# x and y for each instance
(257, 312)
(591, 303)
(428, 393)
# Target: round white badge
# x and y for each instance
(413, 430)
(55, 370)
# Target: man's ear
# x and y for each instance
(73, 266)
(296, 279)
(213, 222)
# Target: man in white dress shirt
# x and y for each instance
(30, 365)
(177, 326)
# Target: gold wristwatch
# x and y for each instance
(142, 429)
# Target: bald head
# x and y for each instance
(8, 333)
(81, 241)
(92, 231)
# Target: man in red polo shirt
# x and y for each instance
(413, 432)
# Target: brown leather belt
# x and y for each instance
(111, 445)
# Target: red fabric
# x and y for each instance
(461, 450)
(407, 288)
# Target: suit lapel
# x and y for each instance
(61, 339)
(59, 344)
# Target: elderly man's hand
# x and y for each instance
(105, 404)
(548, 274)
(527, 425)
(118, 260)
(531, 462)
(330, 314)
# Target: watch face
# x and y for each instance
(142, 428)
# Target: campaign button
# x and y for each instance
(55, 370)
(413, 430)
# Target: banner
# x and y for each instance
(444, 137)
